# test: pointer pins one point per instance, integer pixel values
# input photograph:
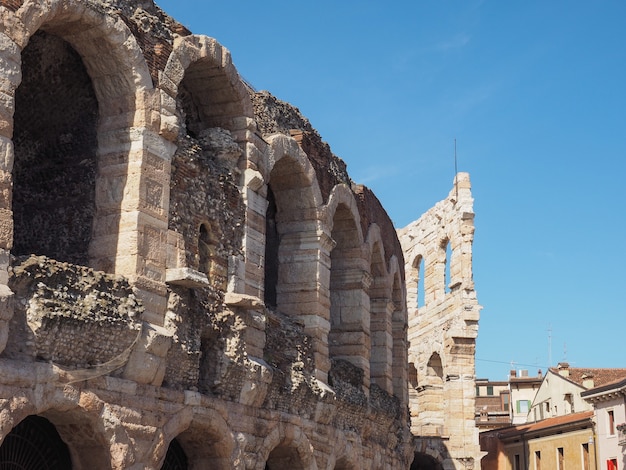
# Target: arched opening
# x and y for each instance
(425, 462)
(284, 457)
(447, 253)
(431, 403)
(206, 209)
(175, 459)
(349, 303)
(55, 142)
(381, 312)
(421, 282)
(435, 369)
(272, 242)
(344, 464)
(34, 444)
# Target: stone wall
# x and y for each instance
(134, 269)
(444, 325)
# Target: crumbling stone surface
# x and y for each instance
(203, 190)
(70, 315)
(55, 152)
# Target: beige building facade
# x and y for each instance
(609, 405)
(561, 443)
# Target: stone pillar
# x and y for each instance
(349, 338)
(381, 311)
(299, 289)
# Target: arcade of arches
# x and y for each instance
(190, 279)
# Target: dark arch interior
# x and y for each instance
(425, 462)
(55, 142)
(175, 459)
(271, 251)
(34, 444)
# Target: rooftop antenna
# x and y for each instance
(456, 174)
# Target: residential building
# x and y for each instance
(609, 404)
(523, 389)
(560, 443)
(561, 388)
(492, 404)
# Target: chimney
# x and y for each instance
(588, 381)
(513, 373)
(563, 368)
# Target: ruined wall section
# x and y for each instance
(443, 331)
(71, 316)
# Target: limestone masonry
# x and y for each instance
(190, 279)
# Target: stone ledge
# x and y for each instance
(186, 277)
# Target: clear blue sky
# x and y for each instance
(534, 91)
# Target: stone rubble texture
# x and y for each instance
(184, 262)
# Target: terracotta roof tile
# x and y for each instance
(545, 424)
(598, 375)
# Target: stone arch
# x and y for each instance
(294, 243)
(431, 397)
(33, 444)
(399, 326)
(381, 309)
(206, 112)
(77, 417)
(292, 183)
(345, 455)
(199, 66)
(287, 446)
(416, 277)
(349, 280)
(204, 437)
(424, 461)
(119, 76)
(434, 368)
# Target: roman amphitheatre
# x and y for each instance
(189, 278)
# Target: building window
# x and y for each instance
(504, 399)
(611, 464)
(477, 390)
(490, 390)
(537, 460)
(523, 406)
(611, 422)
(517, 465)
(560, 459)
(586, 462)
